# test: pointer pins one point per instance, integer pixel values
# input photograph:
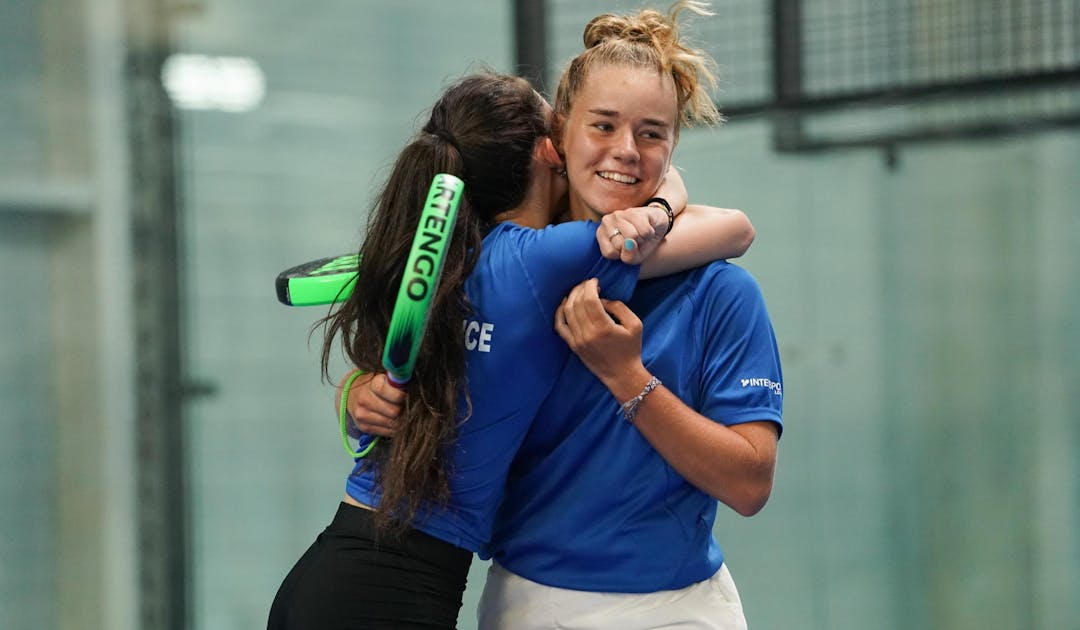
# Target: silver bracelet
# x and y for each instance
(629, 408)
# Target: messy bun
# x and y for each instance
(647, 39)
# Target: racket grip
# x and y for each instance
(396, 382)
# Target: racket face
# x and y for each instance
(323, 281)
(423, 270)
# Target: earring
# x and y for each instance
(561, 172)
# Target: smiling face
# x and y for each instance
(618, 138)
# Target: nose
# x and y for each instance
(625, 146)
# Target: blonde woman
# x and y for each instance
(673, 401)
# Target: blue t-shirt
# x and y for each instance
(590, 504)
(513, 356)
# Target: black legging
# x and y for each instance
(347, 580)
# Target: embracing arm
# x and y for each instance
(700, 234)
(733, 464)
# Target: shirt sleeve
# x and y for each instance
(559, 257)
(741, 379)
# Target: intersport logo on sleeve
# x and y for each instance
(763, 382)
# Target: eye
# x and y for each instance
(603, 126)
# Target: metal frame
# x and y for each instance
(790, 107)
(530, 41)
(161, 490)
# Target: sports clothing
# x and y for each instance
(513, 357)
(512, 602)
(344, 579)
(589, 504)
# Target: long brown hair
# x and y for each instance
(483, 130)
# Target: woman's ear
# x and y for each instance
(558, 126)
(548, 155)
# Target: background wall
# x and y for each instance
(927, 307)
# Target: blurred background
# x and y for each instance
(912, 168)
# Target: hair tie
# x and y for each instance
(442, 135)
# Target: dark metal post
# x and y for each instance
(787, 73)
(161, 491)
(530, 41)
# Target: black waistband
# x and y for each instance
(359, 523)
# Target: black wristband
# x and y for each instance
(667, 209)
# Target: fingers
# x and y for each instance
(624, 233)
(561, 327)
(621, 226)
(584, 314)
(572, 309)
(610, 246)
(374, 405)
(386, 392)
(626, 317)
(607, 345)
(640, 219)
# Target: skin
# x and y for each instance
(618, 139)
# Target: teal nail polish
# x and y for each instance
(629, 245)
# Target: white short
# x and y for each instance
(510, 602)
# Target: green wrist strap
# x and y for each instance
(343, 417)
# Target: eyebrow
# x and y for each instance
(614, 114)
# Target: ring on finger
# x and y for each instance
(617, 232)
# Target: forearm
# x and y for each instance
(732, 464)
(701, 235)
(673, 190)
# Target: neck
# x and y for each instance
(581, 212)
(540, 198)
(528, 214)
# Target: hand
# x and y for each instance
(631, 235)
(374, 405)
(604, 333)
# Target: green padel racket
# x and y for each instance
(331, 280)
(423, 270)
(323, 281)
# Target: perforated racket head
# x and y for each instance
(322, 281)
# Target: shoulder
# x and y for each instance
(562, 231)
(564, 245)
(724, 277)
(728, 296)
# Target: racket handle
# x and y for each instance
(396, 382)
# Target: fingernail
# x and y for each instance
(629, 245)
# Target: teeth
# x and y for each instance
(618, 177)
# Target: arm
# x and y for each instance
(732, 464)
(700, 234)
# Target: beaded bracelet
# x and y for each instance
(630, 407)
